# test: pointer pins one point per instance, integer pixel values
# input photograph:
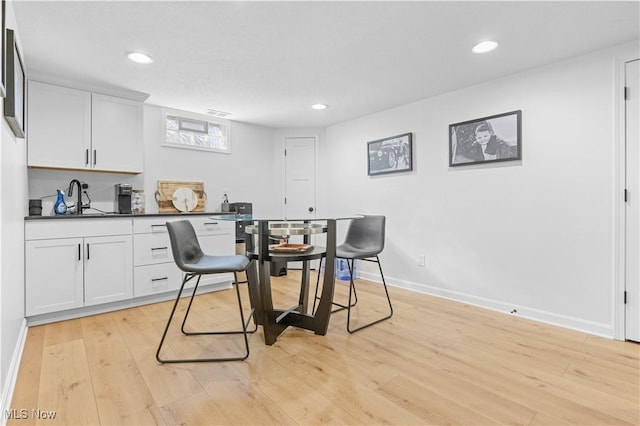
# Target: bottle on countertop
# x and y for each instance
(137, 201)
(60, 207)
(224, 207)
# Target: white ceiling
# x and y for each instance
(268, 62)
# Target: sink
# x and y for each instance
(95, 214)
(73, 216)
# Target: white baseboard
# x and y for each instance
(12, 374)
(573, 323)
(123, 304)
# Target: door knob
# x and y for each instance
(310, 209)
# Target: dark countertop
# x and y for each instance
(115, 215)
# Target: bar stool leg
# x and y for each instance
(353, 287)
(198, 333)
(186, 279)
(340, 306)
(244, 332)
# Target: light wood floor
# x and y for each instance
(434, 362)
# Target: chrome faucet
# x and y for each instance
(79, 206)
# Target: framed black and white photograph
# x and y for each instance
(14, 100)
(3, 76)
(486, 140)
(390, 155)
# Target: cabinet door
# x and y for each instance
(53, 275)
(116, 134)
(108, 269)
(58, 126)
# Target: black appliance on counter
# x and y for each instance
(123, 198)
(241, 208)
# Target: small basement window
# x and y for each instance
(189, 130)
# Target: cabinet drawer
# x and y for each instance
(150, 225)
(207, 226)
(150, 249)
(202, 224)
(76, 227)
(152, 279)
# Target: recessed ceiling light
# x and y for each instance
(319, 106)
(140, 58)
(484, 47)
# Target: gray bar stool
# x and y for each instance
(194, 263)
(364, 241)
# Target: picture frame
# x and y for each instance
(390, 155)
(491, 139)
(14, 102)
(3, 78)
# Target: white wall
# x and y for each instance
(13, 208)
(43, 184)
(248, 173)
(535, 235)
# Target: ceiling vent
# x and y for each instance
(216, 113)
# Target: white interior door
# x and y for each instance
(300, 184)
(632, 252)
(300, 178)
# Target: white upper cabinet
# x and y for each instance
(116, 134)
(59, 127)
(80, 130)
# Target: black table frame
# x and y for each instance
(275, 321)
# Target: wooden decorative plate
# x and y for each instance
(184, 199)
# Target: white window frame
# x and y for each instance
(225, 126)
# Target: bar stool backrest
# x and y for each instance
(366, 234)
(184, 244)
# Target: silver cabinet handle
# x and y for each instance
(95, 156)
(163, 225)
(210, 223)
(88, 257)
(159, 248)
(159, 279)
(79, 249)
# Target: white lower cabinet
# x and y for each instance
(84, 262)
(108, 267)
(154, 268)
(73, 263)
(54, 275)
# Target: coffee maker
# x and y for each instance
(123, 198)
